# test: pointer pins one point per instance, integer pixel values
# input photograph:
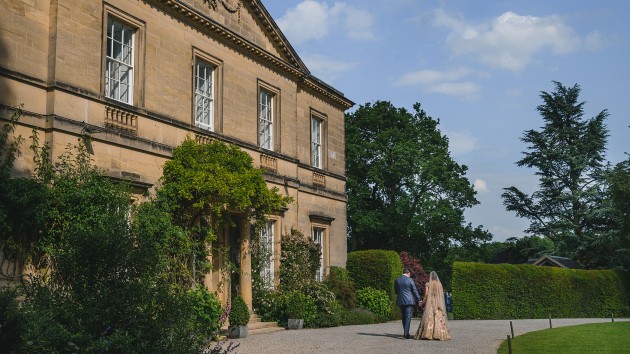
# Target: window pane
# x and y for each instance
(127, 37)
(113, 89)
(125, 74)
(124, 92)
(198, 109)
(126, 55)
(116, 50)
(110, 45)
(118, 29)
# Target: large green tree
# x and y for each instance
(568, 156)
(405, 191)
(96, 279)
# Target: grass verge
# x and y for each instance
(587, 338)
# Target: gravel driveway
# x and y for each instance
(469, 336)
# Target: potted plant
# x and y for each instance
(295, 309)
(239, 317)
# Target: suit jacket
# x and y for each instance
(406, 291)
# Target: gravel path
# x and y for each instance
(469, 336)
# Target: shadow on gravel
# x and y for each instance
(381, 335)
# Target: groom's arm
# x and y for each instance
(414, 290)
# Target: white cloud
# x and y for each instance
(481, 186)
(514, 92)
(359, 24)
(425, 77)
(594, 41)
(510, 41)
(501, 233)
(312, 19)
(467, 89)
(326, 68)
(448, 82)
(308, 20)
(460, 143)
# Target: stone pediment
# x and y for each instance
(246, 22)
(247, 26)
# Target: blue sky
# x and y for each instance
(478, 67)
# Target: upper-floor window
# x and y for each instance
(265, 119)
(204, 95)
(119, 63)
(316, 142)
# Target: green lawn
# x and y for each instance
(588, 338)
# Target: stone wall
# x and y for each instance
(52, 61)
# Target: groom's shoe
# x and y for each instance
(407, 336)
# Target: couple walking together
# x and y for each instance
(434, 319)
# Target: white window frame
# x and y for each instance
(316, 141)
(119, 66)
(205, 86)
(267, 243)
(265, 119)
(318, 237)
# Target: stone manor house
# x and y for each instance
(142, 75)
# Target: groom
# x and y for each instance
(407, 298)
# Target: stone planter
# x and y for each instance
(237, 332)
(295, 323)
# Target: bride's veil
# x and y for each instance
(436, 293)
(434, 319)
(435, 296)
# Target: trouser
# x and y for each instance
(407, 312)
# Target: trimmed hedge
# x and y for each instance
(374, 300)
(339, 282)
(377, 269)
(239, 315)
(512, 291)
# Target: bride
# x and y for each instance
(434, 319)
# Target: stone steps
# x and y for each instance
(256, 326)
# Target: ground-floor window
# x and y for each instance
(318, 238)
(267, 252)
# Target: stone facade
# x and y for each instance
(56, 58)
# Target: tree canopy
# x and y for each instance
(568, 156)
(202, 185)
(405, 191)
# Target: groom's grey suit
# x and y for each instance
(407, 297)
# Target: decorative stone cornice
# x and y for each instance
(213, 4)
(317, 216)
(279, 40)
(295, 67)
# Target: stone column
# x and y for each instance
(246, 263)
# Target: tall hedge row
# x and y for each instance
(377, 269)
(508, 291)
